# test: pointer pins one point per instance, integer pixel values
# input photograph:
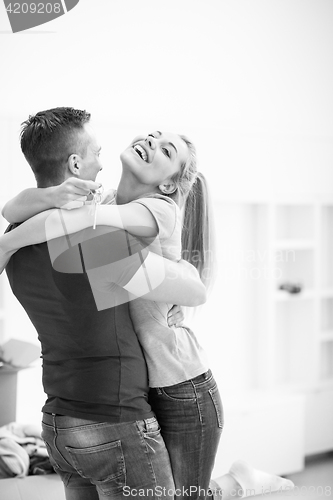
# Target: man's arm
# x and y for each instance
(72, 193)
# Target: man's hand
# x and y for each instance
(175, 316)
(73, 193)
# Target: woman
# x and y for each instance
(159, 178)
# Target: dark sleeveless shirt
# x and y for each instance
(93, 366)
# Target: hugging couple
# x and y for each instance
(132, 408)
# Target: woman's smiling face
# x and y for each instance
(156, 158)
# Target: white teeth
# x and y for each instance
(139, 149)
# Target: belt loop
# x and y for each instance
(54, 420)
(149, 425)
(158, 390)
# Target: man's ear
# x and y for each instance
(74, 164)
(168, 187)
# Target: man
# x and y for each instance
(98, 426)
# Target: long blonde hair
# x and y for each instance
(198, 235)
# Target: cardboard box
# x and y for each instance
(18, 354)
(15, 355)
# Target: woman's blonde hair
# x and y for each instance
(192, 196)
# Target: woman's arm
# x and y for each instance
(51, 224)
(181, 285)
(27, 203)
(72, 193)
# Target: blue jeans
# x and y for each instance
(101, 460)
(191, 418)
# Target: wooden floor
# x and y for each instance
(316, 479)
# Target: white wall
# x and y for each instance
(250, 81)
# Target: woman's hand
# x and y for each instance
(175, 316)
(70, 194)
(73, 193)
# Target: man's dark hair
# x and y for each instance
(49, 138)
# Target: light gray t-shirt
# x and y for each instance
(173, 355)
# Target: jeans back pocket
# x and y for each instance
(103, 464)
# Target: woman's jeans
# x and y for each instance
(104, 461)
(191, 418)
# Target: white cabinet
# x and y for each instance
(298, 328)
(266, 430)
(325, 327)
(277, 345)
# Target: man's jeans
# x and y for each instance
(191, 418)
(108, 461)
